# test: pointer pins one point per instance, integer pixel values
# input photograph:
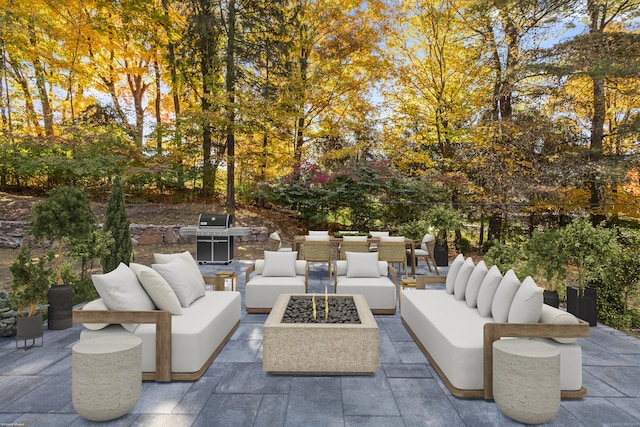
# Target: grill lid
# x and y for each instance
(215, 220)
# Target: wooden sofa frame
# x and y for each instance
(495, 331)
(162, 320)
(251, 269)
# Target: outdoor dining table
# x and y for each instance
(298, 243)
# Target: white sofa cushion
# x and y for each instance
(453, 272)
(183, 280)
(262, 292)
(279, 264)
(362, 264)
(462, 278)
(526, 306)
(473, 285)
(341, 268)
(121, 290)
(186, 256)
(555, 316)
(504, 296)
(95, 305)
(488, 290)
(157, 288)
(380, 292)
(318, 232)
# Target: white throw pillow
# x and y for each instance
(553, 316)
(473, 284)
(488, 290)
(121, 290)
(504, 296)
(183, 280)
(453, 272)
(355, 238)
(462, 278)
(362, 264)
(317, 238)
(279, 264)
(186, 255)
(526, 306)
(392, 238)
(95, 305)
(157, 288)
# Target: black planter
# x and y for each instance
(583, 306)
(60, 307)
(441, 254)
(28, 329)
(551, 298)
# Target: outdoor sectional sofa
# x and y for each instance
(456, 326)
(278, 273)
(182, 325)
(363, 273)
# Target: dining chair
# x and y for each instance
(352, 246)
(427, 248)
(275, 243)
(378, 234)
(318, 250)
(394, 252)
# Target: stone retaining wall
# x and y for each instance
(12, 233)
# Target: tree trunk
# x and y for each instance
(230, 87)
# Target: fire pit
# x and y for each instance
(320, 348)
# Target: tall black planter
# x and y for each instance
(583, 306)
(551, 298)
(441, 254)
(60, 307)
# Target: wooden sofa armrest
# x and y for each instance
(392, 272)
(161, 318)
(306, 278)
(248, 272)
(210, 280)
(495, 331)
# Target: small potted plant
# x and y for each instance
(443, 219)
(31, 280)
(545, 264)
(589, 248)
(65, 214)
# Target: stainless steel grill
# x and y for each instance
(215, 235)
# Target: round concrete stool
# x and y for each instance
(526, 380)
(106, 376)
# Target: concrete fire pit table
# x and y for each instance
(320, 348)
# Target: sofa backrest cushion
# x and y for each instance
(462, 278)
(157, 288)
(552, 315)
(392, 238)
(453, 272)
(526, 306)
(184, 282)
(279, 264)
(473, 285)
(301, 266)
(504, 296)
(341, 268)
(121, 290)
(362, 264)
(186, 255)
(488, 290)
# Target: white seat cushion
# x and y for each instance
(379, 292)
(262, 292)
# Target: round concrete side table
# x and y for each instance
(106, 376)
(526, 380)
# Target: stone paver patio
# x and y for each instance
(406, 391)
